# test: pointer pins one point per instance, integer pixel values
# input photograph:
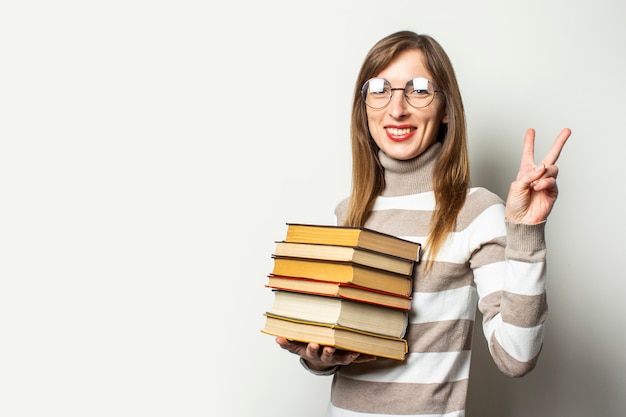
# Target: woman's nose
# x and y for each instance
(398, 105)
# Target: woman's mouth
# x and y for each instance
(399, 134)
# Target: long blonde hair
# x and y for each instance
(451, 176)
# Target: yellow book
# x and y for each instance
(354, 236)
(337, 336)
(355, 254)
(346, 272)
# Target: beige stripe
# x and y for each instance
(524, 310)
(519, 310)
(489, 253)
(441, 336)
(446, 276)
(475, 204)
(397, 398)
(400, 222)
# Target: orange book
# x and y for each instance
(340, 290)
(346, 272)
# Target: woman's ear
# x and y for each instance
(445, 119)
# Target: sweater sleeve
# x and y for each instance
(512, 296)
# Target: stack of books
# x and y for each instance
(348, 287)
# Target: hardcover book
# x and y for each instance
(355, 254)
(340, 290)
(339, 337)
(346, 272)
(354, 236)
(340, 312)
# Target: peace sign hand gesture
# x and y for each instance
(534, 191)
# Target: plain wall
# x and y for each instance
(152, 152)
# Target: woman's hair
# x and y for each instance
(451, 175)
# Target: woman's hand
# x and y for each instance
(321, 358)
(534, 191)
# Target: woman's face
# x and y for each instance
(400, 130)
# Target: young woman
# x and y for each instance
(410, 178)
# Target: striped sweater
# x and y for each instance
(488, 263)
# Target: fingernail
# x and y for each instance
(539, 167)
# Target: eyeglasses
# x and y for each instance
(418, 92)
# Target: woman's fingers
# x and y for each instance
(553, 154)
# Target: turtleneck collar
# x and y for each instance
(412, 176)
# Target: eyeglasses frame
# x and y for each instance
(392, 89)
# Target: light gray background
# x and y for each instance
(152, 152)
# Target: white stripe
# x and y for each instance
(522, 343)
(487, 225)
(490, 278)
(418, 239)
(340, 412)
(522, 278)
(443, 305)
(422, 201)
(421, 368)
(526, 278)
(454, 249)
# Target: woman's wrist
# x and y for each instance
(326, 371)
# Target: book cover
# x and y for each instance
(354, 236)
(355, 254)
(340, 290)
(339, 337)
(340, 312)
(347, 272)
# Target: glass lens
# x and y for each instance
(376, 93)
(419, 92)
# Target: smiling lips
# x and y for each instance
(399, 134)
